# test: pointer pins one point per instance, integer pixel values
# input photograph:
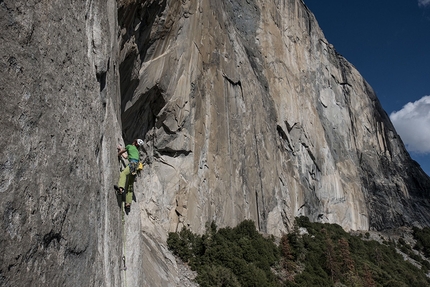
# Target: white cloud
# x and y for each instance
(412, 123)
(423, 2)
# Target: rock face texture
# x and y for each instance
(247, 112)
(58, 105)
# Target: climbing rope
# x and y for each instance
(122, 166)
(123, 240)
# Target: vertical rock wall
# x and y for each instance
(248, 112)
(59, 106)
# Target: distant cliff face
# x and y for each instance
(246, 112)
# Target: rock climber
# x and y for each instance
(133, 160)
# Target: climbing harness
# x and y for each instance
(133, 167)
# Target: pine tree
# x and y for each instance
(331, 260)
(368, 277)
(287, 261)
(348, 266)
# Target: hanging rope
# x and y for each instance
(124, 268)
(122, 166)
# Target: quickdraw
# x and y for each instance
(123, 262)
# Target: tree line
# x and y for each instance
(313, 254)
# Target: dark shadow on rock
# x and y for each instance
(141, 117)
(133, 13)
(144, 17)
(119, 198)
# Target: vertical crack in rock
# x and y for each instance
(259, 192)
(285, 138)
(101, 77)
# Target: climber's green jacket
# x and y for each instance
(133, 153)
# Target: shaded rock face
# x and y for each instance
(246, 112)
(58, 109)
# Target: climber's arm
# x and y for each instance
(122, 151)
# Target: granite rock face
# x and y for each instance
(247, 112)
(58, 105)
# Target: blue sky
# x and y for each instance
(388, 41)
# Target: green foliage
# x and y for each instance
(237, 256)
(422, 236)
(215, 275)
(324, 256)
(185, 244)
(333, 257)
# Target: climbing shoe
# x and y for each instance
(118, 190)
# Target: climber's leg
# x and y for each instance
(123, 178)
(130, 190)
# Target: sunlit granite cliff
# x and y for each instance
(246, 111)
